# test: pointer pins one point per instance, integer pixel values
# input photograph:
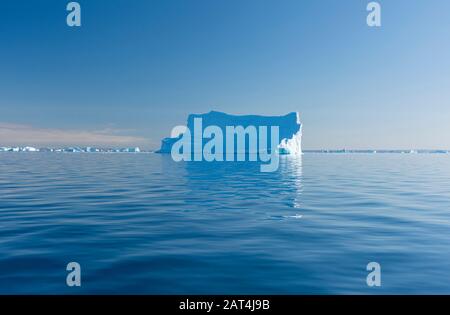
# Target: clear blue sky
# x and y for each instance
(137, 68)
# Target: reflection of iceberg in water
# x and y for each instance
(224, 189)
(291, 167)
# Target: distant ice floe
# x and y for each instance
(379, 151)
(297, 216)
(285, 217)
(72, 150)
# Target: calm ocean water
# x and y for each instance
(141, 223)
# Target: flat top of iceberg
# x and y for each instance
(220, 119)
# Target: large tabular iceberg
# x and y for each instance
(289, 127)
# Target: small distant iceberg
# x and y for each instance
(296, 216)
(289, 133)
(72, 150)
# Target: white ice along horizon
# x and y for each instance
(217, 136)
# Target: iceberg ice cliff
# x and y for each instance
(289, 126)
